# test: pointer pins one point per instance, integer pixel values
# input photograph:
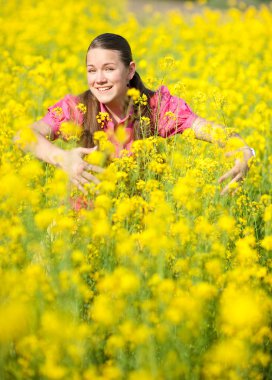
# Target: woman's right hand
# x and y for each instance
(77, 169)
(71, 161)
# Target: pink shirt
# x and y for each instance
(170, 114)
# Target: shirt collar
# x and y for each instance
(104, 109)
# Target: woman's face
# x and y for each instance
(108, 76)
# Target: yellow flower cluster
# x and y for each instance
(137, 98)
(82, 107)
(102, 118)
(144, 120)
(58, 111)
(170, 114)
(70, 131)
(142, 100)
(157, 276)
(133, 93)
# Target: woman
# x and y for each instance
(111, 71)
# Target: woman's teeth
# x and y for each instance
(104, 89)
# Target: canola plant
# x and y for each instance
(158, 277)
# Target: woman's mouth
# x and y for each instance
(103, 89)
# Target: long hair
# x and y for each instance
(112, 41)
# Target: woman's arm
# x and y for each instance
(216, 133)
(42, 148)
(70, 161)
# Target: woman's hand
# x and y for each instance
(239, 170)
(77, 169)
(71, 161)
(216, 133)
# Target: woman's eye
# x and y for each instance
(109, 69)
(91, 71)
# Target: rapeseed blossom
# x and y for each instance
(102, 118)
(157, 276)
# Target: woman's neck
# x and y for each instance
(117, 113)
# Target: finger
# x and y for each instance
(229, 173)
(94, 168)
(90, 177)
(79, 186)
(236, 190)
(229, 187)
(230, 153)
(82, 180)
(226, 189)
(87, 150)
(80, 168)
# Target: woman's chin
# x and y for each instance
(104, 98)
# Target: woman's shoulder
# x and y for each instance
(162, 90)
(171, 113)
(67, 108)
(162, 96)
(68, 105)
(66, 101)
(157, 95)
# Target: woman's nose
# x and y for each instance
(100, 77)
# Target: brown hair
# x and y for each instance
(112, 41)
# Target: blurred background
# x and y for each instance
(193, 6)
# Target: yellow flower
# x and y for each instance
(142, 100)
(170, 114)
(102, 118)
(134, 94)
(82, 107)
(70, 131)
(226, 223)
(229, 355)
(167, 63)
(246, 254)
(243, 311)
(172, 280)
(141, 374)
(106, 312)
(145, 120)
(103, 201)
(122, 281)
(14, 320)
(268, 213)
(267, 243)
(121, 134)
(214, 268)
(25, 138)
(52, 370)
(44, 218)
(58, 111)
(111, 371)
(114, 343)
(96, 158)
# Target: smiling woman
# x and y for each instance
(110, 72)
(108, 78)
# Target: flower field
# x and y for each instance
(159, 276)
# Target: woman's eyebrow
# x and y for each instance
(107, 63)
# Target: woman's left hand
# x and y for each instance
(238, 172)
(216, 133)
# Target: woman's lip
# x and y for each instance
(103, 88)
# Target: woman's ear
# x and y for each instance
(132, 69)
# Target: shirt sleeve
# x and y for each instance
(63, 111)
(171, 114)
